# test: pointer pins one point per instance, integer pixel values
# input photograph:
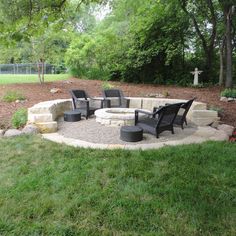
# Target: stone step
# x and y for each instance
(47, 127)
(204, 113)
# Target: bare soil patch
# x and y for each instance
(36, 93)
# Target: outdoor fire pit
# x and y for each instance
(116, 116)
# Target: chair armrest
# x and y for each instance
(97, 99)
(75, 99)
(105, 102)
(127, 101)
(137, 111)
(82, 101)
(102, 100)
(142, 111)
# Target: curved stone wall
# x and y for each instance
(45, 114)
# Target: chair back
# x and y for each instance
(112, 93)
(79, 93)
(167, 114)
(186, 106)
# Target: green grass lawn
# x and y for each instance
(51, 189)
(12, 79)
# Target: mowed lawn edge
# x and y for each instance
(51, 189)
(27, 78)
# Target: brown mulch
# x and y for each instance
(36, 93)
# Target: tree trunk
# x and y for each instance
(221, 75)
(229, 79)
(207, 76)
(208, 43)
(39, 72)
(42, 73)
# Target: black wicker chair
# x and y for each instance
(159, 121)
(82, 102)
(180, 119)
(120, 100)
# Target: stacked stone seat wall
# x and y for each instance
(45, 114)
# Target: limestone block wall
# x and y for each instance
(44, 114)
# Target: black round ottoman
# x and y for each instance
(131, 133)
(72, 116)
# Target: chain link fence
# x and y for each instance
(29, 68)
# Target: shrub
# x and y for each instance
(19, 118)
(229, 93)
(11, 96)
(107, 85)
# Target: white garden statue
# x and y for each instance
(196, 72)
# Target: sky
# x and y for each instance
(102, 11)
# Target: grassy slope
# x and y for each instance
(53, 189)
(12, 79)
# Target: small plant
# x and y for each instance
(229, 93)
(107, 85)
(19, 118)
(218, 109)
(11, 96)
(166, 94)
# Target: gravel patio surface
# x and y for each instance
(91, 131)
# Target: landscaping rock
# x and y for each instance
(156, 95)
(204, 117)
(228, 129)
(30, 129)
(55, 90)
(215, 124)
(224, 99)
(67, 82)
(1, 133)
(20, 101)
(205, 132)
(230, 99)
(12, 133)
(219, 136)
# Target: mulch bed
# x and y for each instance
(36, 93)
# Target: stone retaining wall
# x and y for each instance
(44, 114)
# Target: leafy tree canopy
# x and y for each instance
(157, 41)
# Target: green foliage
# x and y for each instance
(139, 41)
(11, 96)
(229, 93)
(132, 45)
(19, 118)
(80, 57)
(52, 189)
(107, 85)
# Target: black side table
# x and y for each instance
(131, 133)
(72, 116)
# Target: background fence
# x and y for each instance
(29, 68)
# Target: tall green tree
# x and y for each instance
(204, 19)
(228, 8)
(139, 41)
(42, 26)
